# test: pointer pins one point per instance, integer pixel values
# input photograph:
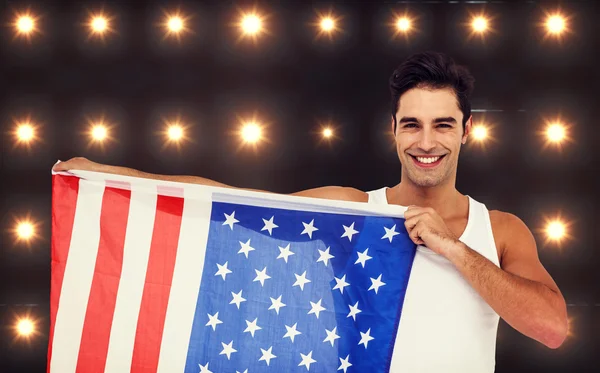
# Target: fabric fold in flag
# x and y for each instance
(155, 276)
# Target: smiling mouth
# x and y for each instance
(427, 162)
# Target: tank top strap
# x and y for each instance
(378, 196)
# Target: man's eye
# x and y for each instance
(445, 124)
(410, 124)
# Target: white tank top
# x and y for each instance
(445, 325)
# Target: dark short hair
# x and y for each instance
(433, 70)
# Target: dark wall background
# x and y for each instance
(293, 82)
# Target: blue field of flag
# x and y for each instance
(297, 291)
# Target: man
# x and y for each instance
(472, 265)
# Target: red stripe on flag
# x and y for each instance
(64, 202)
(105, 283)
(157, 287)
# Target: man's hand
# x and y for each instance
(79, 163)
(426, 227)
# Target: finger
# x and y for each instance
(62, 166)
(411, 211)
(410, 223)
(414, 235)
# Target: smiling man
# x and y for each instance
(472, 265)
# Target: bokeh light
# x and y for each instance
(556, 230)
(327, 24)
(556, 133)
(175, 132)
(25, 24)
(175, 24)
(480, 132)
(251, 132)
(25, 230)
(99, 25)
(25, 327)
(25, 132)
(479, 24)
(556, 25)
(251, 24)
(402, 24)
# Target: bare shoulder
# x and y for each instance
(510, 232)
(335, 192)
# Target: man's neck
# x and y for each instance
(443, 198)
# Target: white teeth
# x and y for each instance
(427, 159)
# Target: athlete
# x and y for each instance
(472, 265)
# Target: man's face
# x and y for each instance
(429, 135)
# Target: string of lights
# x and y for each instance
(253, 24)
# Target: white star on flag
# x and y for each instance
(376, 283)
(324, 256)
(204, 368)
(344, 363)
(251, 327)
(306, 360)
(309, 228)
(291, 332)
(363, 257)
(354, 311)
(261, 276)
(213, 320)
(246, 248)
(316, 308)
(349, 232)
(223, 270)
(331, 335)
(285, 252)
(227, 349)
(269, 225)
(245, 371)
(365, 338)
(230, 220)
(267, 355)
(390, 233)
(340, 283)
(301, 280)
(237, 299)
(276, 304)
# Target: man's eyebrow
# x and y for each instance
(436, 120)
(445, 120)
(408, 120)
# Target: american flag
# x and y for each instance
(154, 276)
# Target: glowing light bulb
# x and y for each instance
(251, 132)
(479, 24)
(556, 24)
(555, 230)
(251, 24)
(556, 132)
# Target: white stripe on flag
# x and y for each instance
(187, 275)
(77, 282)
(138, 238)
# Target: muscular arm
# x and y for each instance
(521, 291)
(327, 192)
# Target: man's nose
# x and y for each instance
(426, 141)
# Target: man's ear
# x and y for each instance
(393, 126)
(468, 127)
